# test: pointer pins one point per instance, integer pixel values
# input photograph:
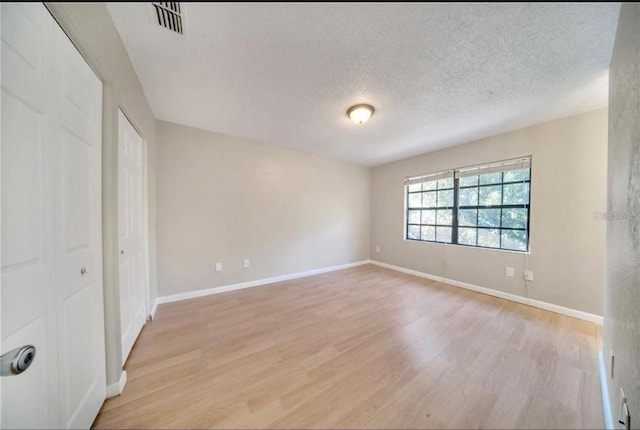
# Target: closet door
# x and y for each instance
(78, 251)
(51, 224)
(28, 313)
(133, 279)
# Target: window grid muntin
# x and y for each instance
(424, 190)
(456, 208)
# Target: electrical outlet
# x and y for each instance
(528, 275)
(377, 248)
(218, 267)
(246, 263)
(509, 272)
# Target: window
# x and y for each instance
(483, 206)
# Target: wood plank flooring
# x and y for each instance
(359, 348)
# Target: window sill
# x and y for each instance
(479, 248)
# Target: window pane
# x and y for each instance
(429, 199)
(492, 210)
(429, 233)
(467, 217)
(414, 217)
(516, 194)
(467, 236)
(514, 218)
(443, 234)
(491, 178)
(469, 181)
(444, 217)
(516, 175)
(415, 200)
(445, 183)
(445, 198)
(429, 217)
(490, 196)
(428, 186)
(413, 232)
(489, 217)
(468, 196)
(514, 239)
(489, 238)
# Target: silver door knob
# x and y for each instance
(83, 270)
(17, 360)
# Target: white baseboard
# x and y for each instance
(114, 390)
(606, 404)
(597, 319)
(154, 308)
(256, 283)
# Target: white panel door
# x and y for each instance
(133, 277)
(51, 224)
(28, 294)
(78, 250)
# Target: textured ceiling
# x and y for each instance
(438, 74)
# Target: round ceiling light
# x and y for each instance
(360, 113)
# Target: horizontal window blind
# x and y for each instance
(430, 177)
(503, 166)
(481, 169)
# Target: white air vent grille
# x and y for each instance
(169, 15)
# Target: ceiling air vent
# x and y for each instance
(169, 15)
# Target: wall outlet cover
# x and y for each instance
(509, 272)
(528, 275)
(218, 267)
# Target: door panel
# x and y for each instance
(76, 190)
(51, 224)
(28, 296)
(131, 211)
(23, 126)
(82, 393)
(38, 411)
(79, 245)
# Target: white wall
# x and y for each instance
(226, 199)
(90, 28)
(621, 333)
(567, 245)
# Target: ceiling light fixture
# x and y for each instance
(360, 113)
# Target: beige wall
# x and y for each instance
(567, 244)
(90, 28)
(225, 199)
(621, 334)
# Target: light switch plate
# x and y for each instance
(218, 267)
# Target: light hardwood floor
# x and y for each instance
(364, 347)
